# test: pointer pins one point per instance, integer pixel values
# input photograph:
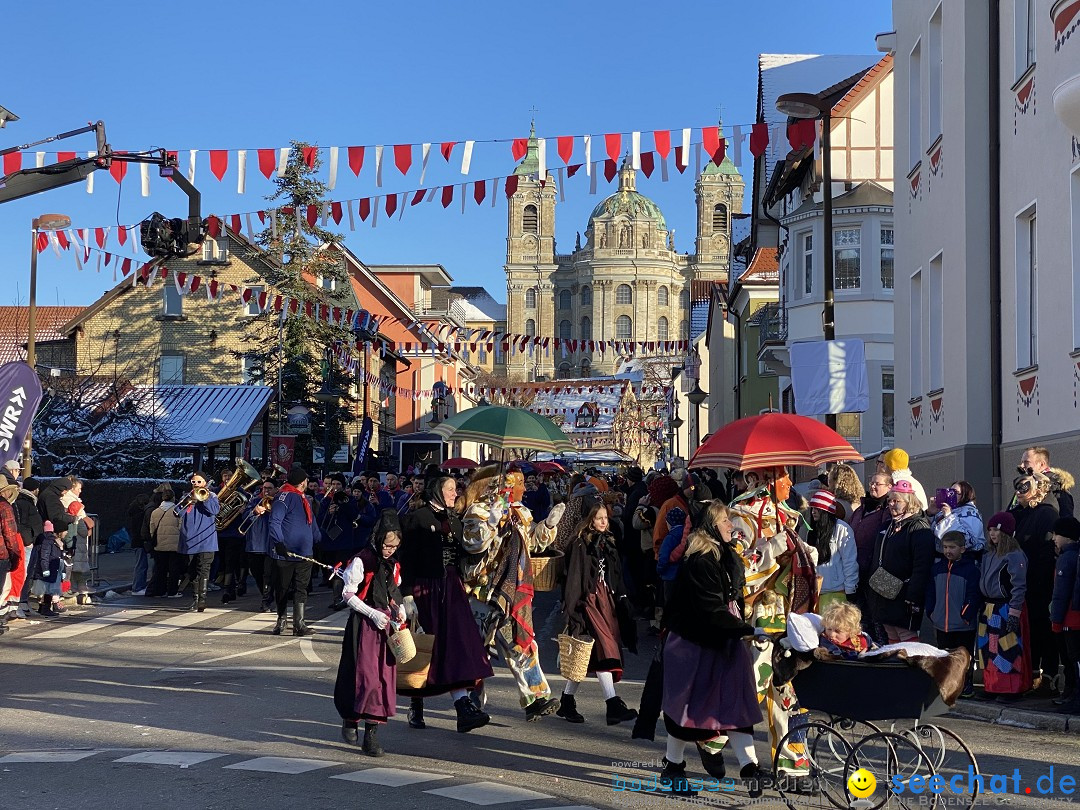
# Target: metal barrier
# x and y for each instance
(92, 577)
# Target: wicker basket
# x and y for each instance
(574, 656)
(546, 570)
(402, 646)
(413, 674)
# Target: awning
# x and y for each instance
(202, 415)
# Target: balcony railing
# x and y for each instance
(772, 325)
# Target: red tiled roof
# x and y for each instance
(701, 289)
(871, 77)
(13, 328)
(764, 266)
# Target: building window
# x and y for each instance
(530, 298)
(915, 334)
(1027, 290)
(586, 328)
(684, 330)
(933, 113)
(586, 296)
(564, 330)
(662, 296)
(248, 367)
(888, 405)
(564, 300)
(252, 306)
(849, 425)
(530, 327)
(915, 149)
(172, 301)
(661, 329)
(935, 343)
(328, 283)
(719, 218)
(564, 371)
(171, 369)
(530, 219)
(624, 295)
(887, 258)
(807, 254)
(684, 299)
(1026, 16)
(586, 368)
(846, 258)
(624, 328)
(215, 250)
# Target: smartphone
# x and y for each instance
(946, 495)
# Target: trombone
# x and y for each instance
(198, 494)
(249, 519)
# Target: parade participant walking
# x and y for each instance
(292, 530)
(593, 587)
(256, 519)
(435, 596)
(367, 672)
(198, 536)
(165, 539)
(1002, 641)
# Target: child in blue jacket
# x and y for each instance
(666, 567)
(953, 599)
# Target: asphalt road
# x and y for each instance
(137, 703)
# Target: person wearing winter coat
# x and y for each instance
(169, 564)
(901, 564)
(30, 524)
(198, 539)
(667, 568)
(837, 561)
(1065, 609)
(963, 518)
(1002, 640)
(293, 530)
(50, 506)
(257, 543)
(896, 464)
(48, 571)
(137, 512)
(1037, 459)
(953, 600)
(78, 541)
(11, 556)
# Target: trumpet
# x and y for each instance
(249, 519)
(199, 494)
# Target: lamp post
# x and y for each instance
(675, 423)
(809, 105)
(695, 398)
(46, 222)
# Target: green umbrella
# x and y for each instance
(504, 429)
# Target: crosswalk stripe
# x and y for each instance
(292, 765)
(485, 793)
(252, 624)
(170, 624)
(390, 777)
(47, 756)
(78, 628)
(182, 758)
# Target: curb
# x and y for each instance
(1016, 717)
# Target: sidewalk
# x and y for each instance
(114, 572)
(1028, 712)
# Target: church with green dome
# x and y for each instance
(625, 282)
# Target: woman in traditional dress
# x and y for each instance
(366, 679)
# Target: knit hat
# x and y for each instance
(297, 476)
(47, 526)
(1068, 527)
(904, 486)
(896, 459)
(826, 501)
(1004, 522)
(30, 484)
(676, 516)
(12, 464)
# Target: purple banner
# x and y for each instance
(20, 395)
(366, 429)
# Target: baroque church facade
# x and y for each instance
(626, 282)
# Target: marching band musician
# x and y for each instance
(293, 529)
(336, 516)
(257, 541)
(198, 537)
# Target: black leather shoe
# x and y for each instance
(712, 763)
(673, 779)
(371, 741)
(350, 733)
(416, 713)
(568, 709)
(468, 716)
(618, 711)
(541, 707)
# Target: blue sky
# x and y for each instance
(248, 75)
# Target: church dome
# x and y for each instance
(628, 202)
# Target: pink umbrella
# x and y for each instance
(459, 464)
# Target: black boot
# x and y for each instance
(371, 741)
(199, 603)
(468, 716)
(349, 732)
(416, 713)
(568, 709)
(712, 763)
(541, 707)
(228, 595)
(298, 626)
(755, 779)
(279, 628)
(619, 712)
(673, 779)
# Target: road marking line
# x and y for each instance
(181, 758)
(170, 624)
(47, 756)
(249, 625)
(486, 793)
(290, 765)
(89, 625)
(390, 777)
(249, 652)
(308, 650)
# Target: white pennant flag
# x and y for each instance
(425, 153)
(402, 206)
(241, 170)
(191, 165)
(463, 197)
(352, 216)
(777, 136)
(250, 229)
(375, 206)
(40, 159)
(635, 150)
(737, 139)
(378, 166)
(466, 157)
(301, 212)
(541, 153)
(282, 161)
(560, 172)
(77, 249)
(663, 170)
(144, 178)
(592, 179)
(588, 159)
(686, 146)
(332, 178)
(90, 177)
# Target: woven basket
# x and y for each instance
(574, 656)
(413, 674)
(546, 571)
(402, 646)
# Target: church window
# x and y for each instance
(586, 368)
(586, 328)
(624, 295)
(530, 298)
(564, 330)
(661, 329)
(564, 299)
(684, 299)
(624, 328)
(530, 220)
(719, 218)
(586, 296)
(684, 330)
(662, 296)
(530, 327)
(564, 371)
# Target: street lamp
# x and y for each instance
(675, 423)
(439, 407)
(809, 105)
(46, 222)
(695, 397)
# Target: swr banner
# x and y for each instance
(20, 395)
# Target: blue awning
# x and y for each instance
(205, 415)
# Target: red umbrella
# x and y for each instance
(773, 440)
(548, 467)
(459, 464)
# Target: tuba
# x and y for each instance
(235, 492)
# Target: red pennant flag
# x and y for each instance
(356, 159)
(262, 217)
(403, 157)
(566, 148)
(219, 162)
(310, 153)
(610, 170)
(118, 169)
(759, 139)
(801, 133)
(99, 237)
(391, 204)
(710, 139)
(365, 208)
(213, 227)
(679, 160)
(12, 162)
(519, 147)
(62, 156)
(125, 266)
(446, 148)
(447, 195)
(312, 215)
(479, 191)
(613, 140)
(61, 239)
(121, 236)
(511, 185)
(195, 282)
(418, 197)
(647, 163)
(235, 223)
(572, 170)
(267, 162)
(336, 212)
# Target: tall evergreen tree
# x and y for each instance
(300, 262)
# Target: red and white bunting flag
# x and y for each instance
(356, 159)
(565, 144)
(466, 157)
(332, 177)
(241, 171)
(219, 162)
(403, 157)
(266, 162)
(613, 143)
